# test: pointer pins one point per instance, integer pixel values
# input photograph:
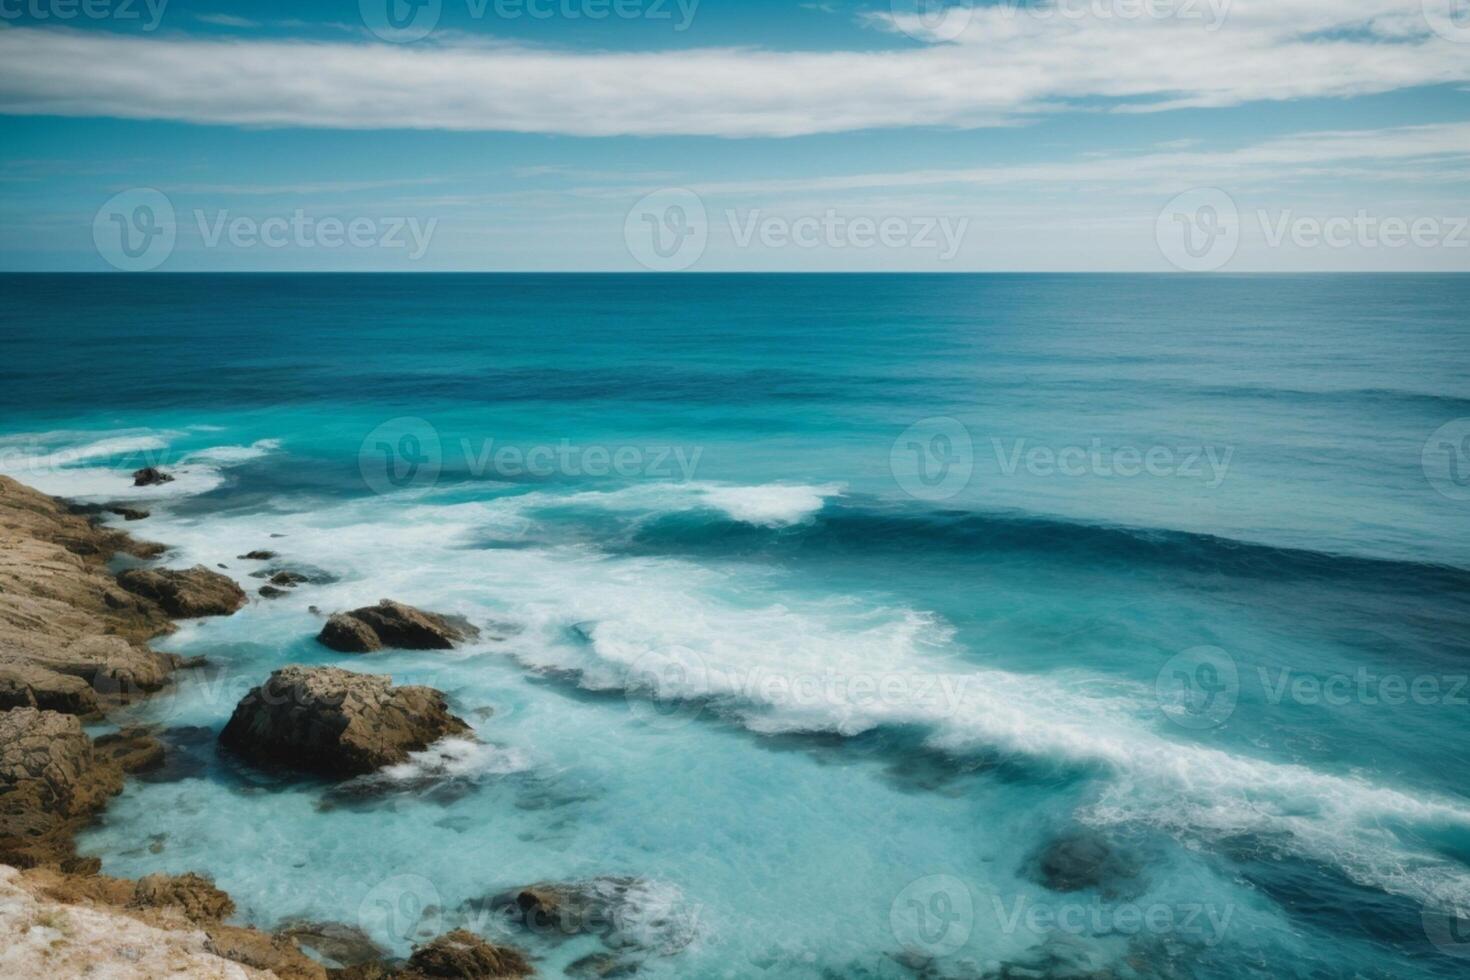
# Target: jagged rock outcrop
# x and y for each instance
(53, 778)
(185, 593)
(24, 685)
(393, 624)
(62, 612)
(336, 723)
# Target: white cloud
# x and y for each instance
(1006, 64)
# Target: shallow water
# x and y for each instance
(819, 605)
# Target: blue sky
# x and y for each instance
(1117, 135)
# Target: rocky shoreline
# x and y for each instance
(74, 641)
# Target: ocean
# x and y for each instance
(826, 620)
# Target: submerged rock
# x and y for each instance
(259, 555)
(150, 476)
(336, 723)
(187, 593)
(271, 592)
(342, 945)
(623, 912)
(393, 624)
(1082, 859)
(462, 954)
(128, 513)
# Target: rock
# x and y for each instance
(150, 476)
(185, 594)
(88, 930)
(465, 956)
(623, 912)
(393, 624)
(128, 513)
(192, 894)
(347, 634)
(271, 592)
(51, 781)
(342, 945)
(62, 611)
(596, 966)
(288, 579)
(257, 556)
(24, 685)
(336, 723)
(1079, 860)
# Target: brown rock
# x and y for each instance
(347, 634)
(336, 723)
(24, 685)
(465, 956)
(393, 624)
(271, 592)
(192, 894)
(150, 476)
(257, 556)
(50, 782)
(186, 593)
(128, 513)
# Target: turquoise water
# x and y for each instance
(820, 605)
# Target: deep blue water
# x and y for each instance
(821, 605)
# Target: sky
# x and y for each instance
(1204, 136)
